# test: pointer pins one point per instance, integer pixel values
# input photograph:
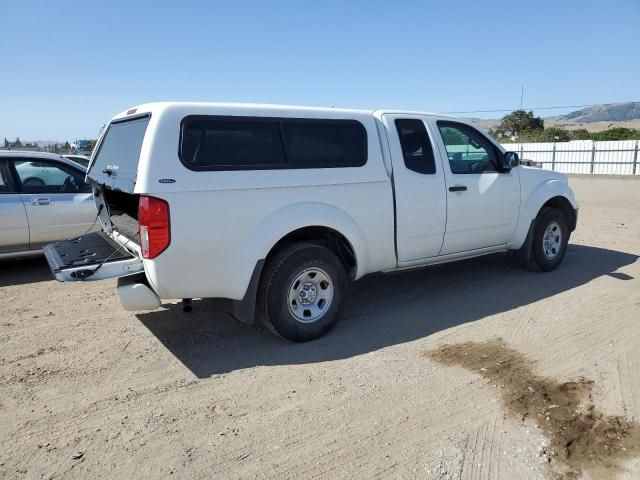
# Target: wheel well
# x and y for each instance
(325, 236)
(562, 204)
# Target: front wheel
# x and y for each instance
(302, 291)
(550, 239)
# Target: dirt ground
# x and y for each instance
(88, 390)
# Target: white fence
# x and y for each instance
(583, 156)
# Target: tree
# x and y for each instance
(17, 143)
(518, 122)
(6, 143)
(66, 146)
(618, 133)
(581, 134)
(554, 134)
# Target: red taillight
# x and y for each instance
(153, 226)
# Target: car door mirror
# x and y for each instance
(510, 160)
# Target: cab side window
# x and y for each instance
(468, 150)
(38, 176)
(416, 146)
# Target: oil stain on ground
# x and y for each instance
(581, 438)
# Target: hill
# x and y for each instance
(619, 112)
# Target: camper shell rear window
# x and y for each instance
(119, 150)
(262, 143)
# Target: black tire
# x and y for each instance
(547, 217)
(277, 281)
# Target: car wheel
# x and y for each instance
(550, 239)
(302, 291)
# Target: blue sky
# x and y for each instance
(68, 66)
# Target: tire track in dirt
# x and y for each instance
(597, 341)
(630, 391)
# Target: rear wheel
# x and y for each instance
(301, 291)
(550, 239)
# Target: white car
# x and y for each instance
(279, 208)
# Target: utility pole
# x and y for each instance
(521, 97)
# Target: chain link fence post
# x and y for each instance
(593, 156)
(635, 157)
(553, 157)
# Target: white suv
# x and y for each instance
(278, 208)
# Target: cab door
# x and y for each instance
(58, 202)
(483, 202)
(419, 185)
(14, 228)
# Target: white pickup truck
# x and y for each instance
(279, 208)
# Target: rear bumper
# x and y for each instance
(136, 295)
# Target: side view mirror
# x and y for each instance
(510, 160)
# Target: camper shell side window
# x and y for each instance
(263, 143)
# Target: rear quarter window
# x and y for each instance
(248, 143)
(416, 146)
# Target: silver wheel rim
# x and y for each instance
(552, 240)
(310, 295)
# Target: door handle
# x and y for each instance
(41, 201)
(458, 188)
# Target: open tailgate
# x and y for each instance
(94, 256)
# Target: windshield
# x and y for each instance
(119, 151)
